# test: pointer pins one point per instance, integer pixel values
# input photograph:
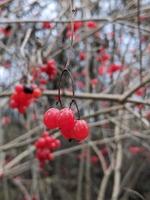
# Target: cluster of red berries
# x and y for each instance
(23, 96)
(47, 25)
(78, 25)
(6, 31)
(45, 145)
(50, 69)
(64, 119)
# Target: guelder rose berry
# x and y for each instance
(81, 130)
(51, 118)
(68, 134)
(45, 146)
(66, 120)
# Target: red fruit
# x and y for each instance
(44, 68)
(68, 134)
(103, 58)
(46, 154)
(40, 143)
(58, 143)
(51, 156)
(40, 155)
(91, 24)
(43, 81)
(37, 93)
(48, 141)
(45, 134)
(140, 92)
(13, 104)
(47, 25)
(77, 25)
(114, 68)
(19, 88)
(136, 150)
(6, 31)
(66, 119)
(94, 159)
(22, 109)
(81, 130)
(53, 145)
(51, 118)
(51, 62)
(102, 70)
(82, 56)
(94, 81)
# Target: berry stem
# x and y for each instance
(75, 103)
(59, 85)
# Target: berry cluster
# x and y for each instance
(23, 96)
(50, 69)
(47, 25)
(45, 145)
(64, 119)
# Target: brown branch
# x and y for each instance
(13, 21)
(90, 96)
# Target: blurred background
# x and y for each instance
(104, 48)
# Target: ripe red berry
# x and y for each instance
(45, 134)
(81, 130)
(91, 24)
(58, 143)
(68, 134)
(19, 88)
(51, 118)
(48, 141)
(13, 104)
(53, 145)
(40, 155)
(36, 93)
(47, 25)
(66, 119)
(77, 25)
(40, 143)
(82, 55)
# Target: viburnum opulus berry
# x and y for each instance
(66, 119)
(81, 130)
(50, 69)
(23, 96)
(51, 118)
(45, 146)
(91, 24)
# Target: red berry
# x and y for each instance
(77, 25)
(19, 88)
(48, 141)
(39, 155)
(47, 25)
(51, 118)
(82, 55)
(45, 134)
(51, 156)
(91, 24)
(37, 93)
(68, 134)
(53, 145)
(40, 143)
(81, 130)
(13, 104)
(58, 143)
(66, 119)
(22, 109)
